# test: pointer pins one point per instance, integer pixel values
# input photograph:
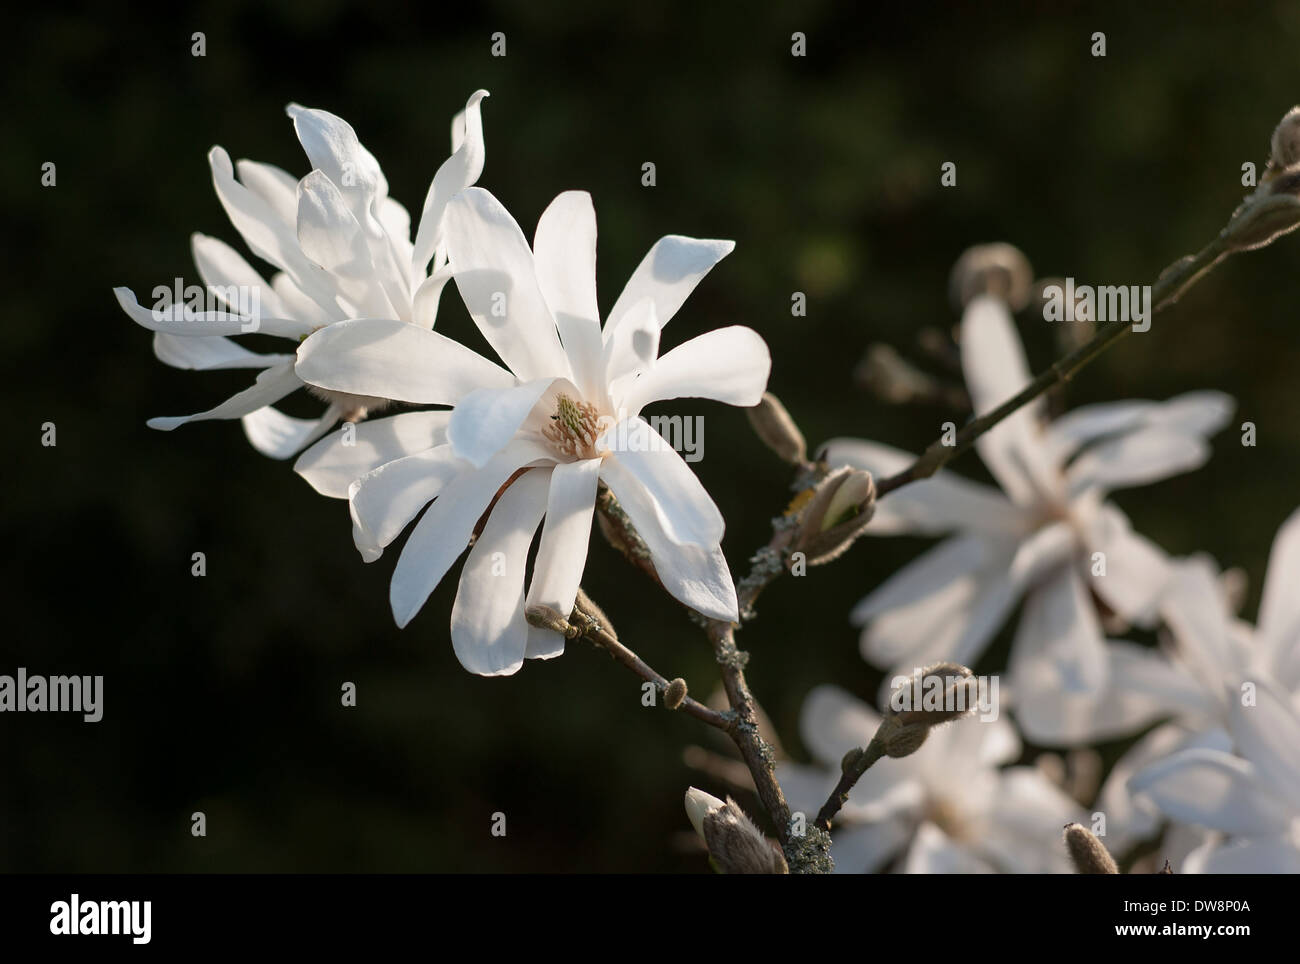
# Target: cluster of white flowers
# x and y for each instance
(496, 452)
(506, 447)
(1218, 769)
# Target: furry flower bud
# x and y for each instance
(1087, 852)
(773, 424)
(840, 508)
(735, 843)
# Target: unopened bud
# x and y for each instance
(1087, 852)
(840, 508)
(675, 693)
(900, 739)
(1286, 141)
(1269, 213)
(936, 694)
(735, 843)
(997, 269)
(777, 429)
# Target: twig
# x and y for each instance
(851, 773)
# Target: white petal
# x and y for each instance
(1213, 789)
(1028, 813)
(1198, 414)
(1274, 854)
(1137, 571)
(179, 320)
(562, 553)
(667, 275)
(867, 848)
(386, 499)
(833, 721)
(273, 433)
(424, 305)
(277, 187)
(334, 463)
(222, 269)
(334, 150)
(494, 271)
(488, 630)
(1279, 606)
(331, 236)
(1059, 627)
(456, 173)
(696, 575)
(392, 359)
(1135, 459)
(633, 349)
(271, 386)
(485, 420)
(1197, 615)
(934, 852)
(926, 575)
(210, 353)
(931, 506)
(262, 229)
(993, 361)
(445, 529)
(564, 247)
(1268, 735)
(682, 505)
(728, 365)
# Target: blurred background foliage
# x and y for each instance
(222, 693)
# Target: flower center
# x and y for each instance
(573, 429)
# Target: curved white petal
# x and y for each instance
(386, 499)
(1059, 628)
(1135, 459)
(728, 365)
(279, 436)
(334, 150)
(277, 187)
(681, 504)
(667, 275)
(931, 506)
(179, 320)
(486, 419)
(222, 269)
(993, 362)
(564, 248)
(454, 175)
(697, 576)
(393, 359)
(495, 274)
(488, 629)
(633, 349)
(334, 463)
(1279, 606)
(272, 385)
(1213, 789)
(209, 353)
(1267, 733)
(443, 532)
(1137, 572)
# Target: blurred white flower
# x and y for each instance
(1191, 684)
(1252, 796)
(1047, 536)
(950, 807)
(342, 248)
(536, 439)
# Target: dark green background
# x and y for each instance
(222, 693)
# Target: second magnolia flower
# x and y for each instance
(536, 438)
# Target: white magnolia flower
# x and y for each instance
(534, 440)
(342, 249)
(1039, 538)
(950, 807)
(1188, 684)
(1252, 796)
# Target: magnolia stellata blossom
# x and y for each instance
(950, 807)
(1190, 685)
(1049, 536)
(342, 249)
(535, 438)
(1252, 796)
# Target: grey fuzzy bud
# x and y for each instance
(1286, 140)
(1087, 852)
(777, 429)
(736, 844)
(675, 693)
